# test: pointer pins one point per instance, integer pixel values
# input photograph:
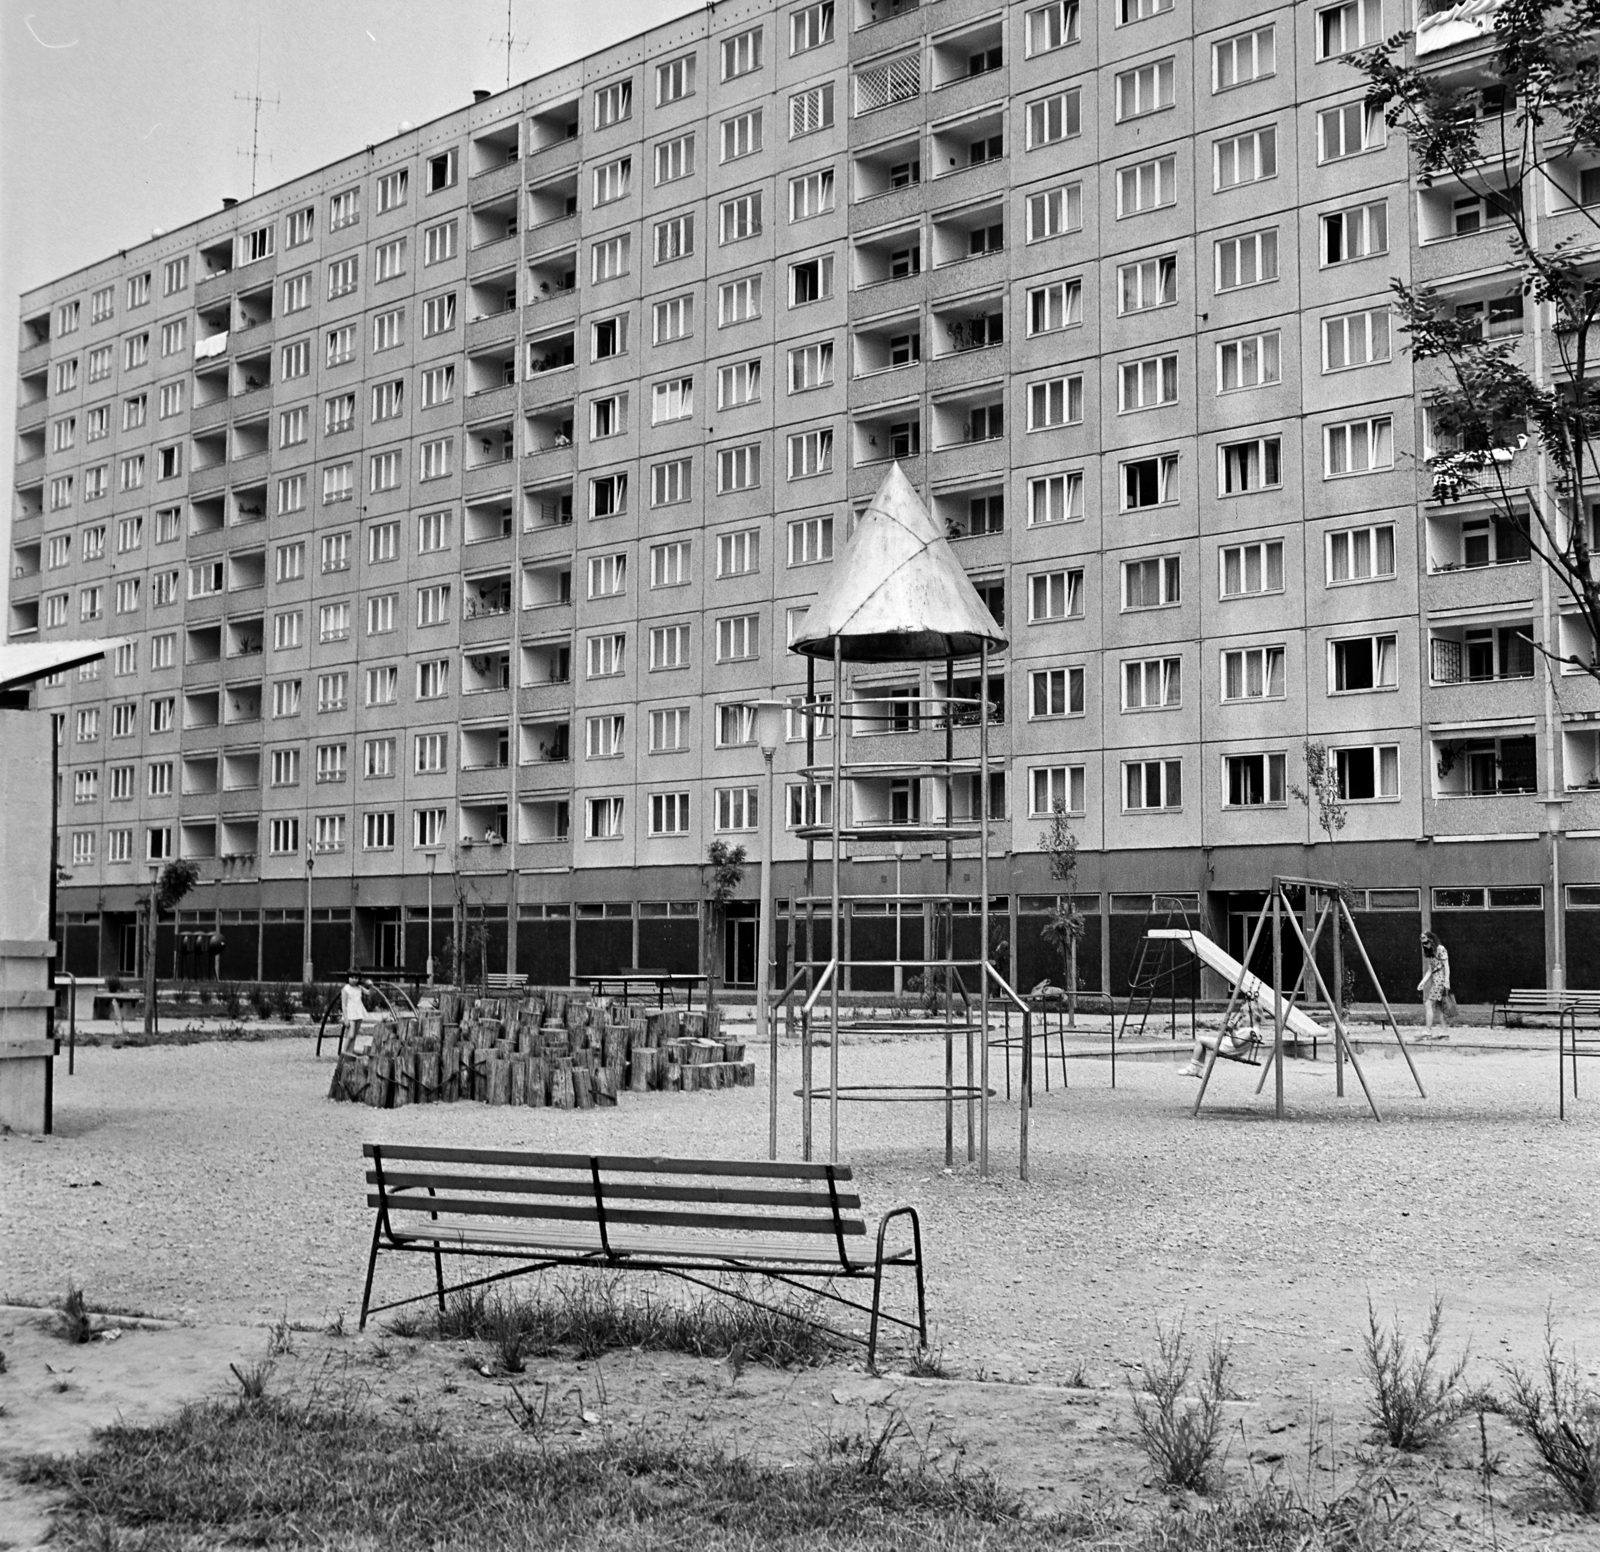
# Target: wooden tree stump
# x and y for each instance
(582, 1088)
(605, 1088)
(519, 1080)
(561, 1086)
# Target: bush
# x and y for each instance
(1560, 1413)
(73, 1322)
(281, 1000)
(113, 983)
(1413, 1398)
(205, 994)
(261, 1001)
(231, 995)
(1182, 1436)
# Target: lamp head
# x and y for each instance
(768, 724)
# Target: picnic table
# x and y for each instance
(664, 981)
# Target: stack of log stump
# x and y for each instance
(539, 1050)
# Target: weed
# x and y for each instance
(528, 1417)
(380, 1352)
(1078, 1377)
(1182, 1436)
(3, 1364)
(232, 999)
(1414, 1397)
(927, 1363)
(510, 1346)
(280, 1339)
(73, 1321)
(336, 1326)
(261, 1001)
(414, 1323)
(1560, 1413)
(205, 994)
(252, 1381)
(595, 1315)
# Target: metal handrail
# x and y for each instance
(822, 980)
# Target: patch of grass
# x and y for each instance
(253, 1380)
(73, 1322)
(280, 1339)
(1181, 1434)
(336, 1326)
(927, 1363)
(1415, 1397)
(258, 1473)
(593, 1315)
(1560, 1413)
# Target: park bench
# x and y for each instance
(504, 983)
(795, 1224)
(1526, 1000)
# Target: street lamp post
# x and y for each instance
(768, 731)
(308, 971)
(433, 863)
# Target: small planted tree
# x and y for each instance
(727, 873)
(1065, 928)
(1320, 797)
(174, 881)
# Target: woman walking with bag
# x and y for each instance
(1437, 1000)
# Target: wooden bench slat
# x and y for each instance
(623, 1242)
(634, 1164)
(411, 1181)
(587, 1213)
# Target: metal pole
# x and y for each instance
(983, 910)
(765, 1028)
(809, 797)
(1277, 998)
(308, 970)
(944, 934)
(433, 862)
(72, 1024)
(833, 980)
(1338, 992)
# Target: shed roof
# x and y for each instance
(25, 663)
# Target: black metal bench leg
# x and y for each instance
(438, 1276)
(877, 1294)
(372, 1264)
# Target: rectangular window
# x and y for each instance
(294, 426)
(1055, 595)
(669, 729)
(1150, 584)
(1148, 383)
(608, 495)
(1152, 684)
(135, 352)
(740, 383)
(1371, 775)
(739, 218)
(1343, 28)
(674, 238)
(810, 540)
(439, 243)
(613, 104)
(299, 226)
(669, 646)
(811, 281)
(1151, 784)
(674, 159)
(438, 385)
(388, 329)
(609, 337)
(433, 459)
(333, 622)
(1053, 118)
(737, 638)
(1054, 212)
(393, 188)
(1365, 663)
(1055, 498)
(1359, 232)
(1052, 26)
(1253, 674)
(739, 468)
(1055, 692)
(811, 195)
(384, 473)
(603, 737)
(139, 290)
(331, 762)
(1146, 284)
(608, 416)
(1361, 554)
(608, 575)
(343, 274)
(738, 553)
(441, 171)
(1149, 482)
(383, 542)
(99, 366)
(738, 301)
(378, 758)
(344, 209)
(428, 828)
(102, 304)
(1358, 446)
(433, 679)
(383, 686)
(610, 258)
(1348, 131)
(741, 54)
(613, 180)
(810, 453)
(669, 564)
(1056, 402)
(433, 604)
(1248, 466)
(286, 698)
(1145, 89)
(811, 110)
(1247, 260)
(389, 259)
(1246, 158)
(742, 136)
(735, 808)
(377, 831)
(335, 553)
(338, 480)
(381, 614)
(439, 314)
(669, 482)
(341, 344)
(1254, 780)
(672, 400)
(286, 630)
(1146, 186)
(174, 336)
(1058, 305)
(1355, 339)
(1243, 58)
(810, 27)
(1251, 361)
(429, 754)
(605, 655)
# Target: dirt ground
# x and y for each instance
(215, 1187)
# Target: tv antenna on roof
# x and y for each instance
(257, 100)
(511, 40)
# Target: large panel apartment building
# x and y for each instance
(453, 498)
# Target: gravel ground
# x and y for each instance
(217, 1183)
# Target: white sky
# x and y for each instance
(119, 116)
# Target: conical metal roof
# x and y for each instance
(897, 592)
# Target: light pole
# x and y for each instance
(308, 972)
(899, 910)
(433, 863)
(768, 731)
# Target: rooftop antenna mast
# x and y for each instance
(257, 101)
(511, 40)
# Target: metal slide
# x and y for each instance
(1250, 986)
